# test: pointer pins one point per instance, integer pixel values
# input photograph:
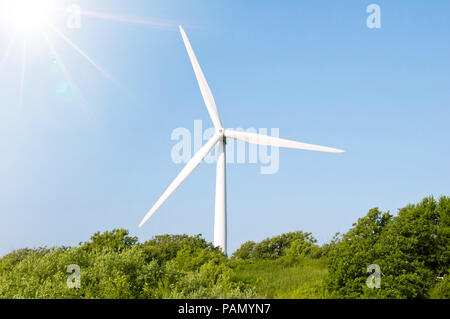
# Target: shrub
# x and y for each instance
(411, 250)
(275, 247)
(245, 251)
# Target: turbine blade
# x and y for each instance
(277, 142)
(185, 172)
(204, 88)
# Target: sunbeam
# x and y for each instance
(67, 74)
(22, 78)
(27, 19)
(84, 55)
(8, 49)
(129, 19)
(61, 64)
(58, 60)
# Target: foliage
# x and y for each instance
(115, 240)
(294, 244)
(412, 250)
(442, 289)
(353, 253)
(115, 265)
(245, 251)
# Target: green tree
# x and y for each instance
(245, 251)
(352, 254)
(275, 247)
(115, 240)
(411, 249)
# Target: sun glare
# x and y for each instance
(31, 24)
(30, 15)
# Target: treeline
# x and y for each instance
(115, 265)
(411, 252)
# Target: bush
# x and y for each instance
(442, 289)
(245, 251)
(411, 250)
(115, 265)
(115, 240)
(275, 247)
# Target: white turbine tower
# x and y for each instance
(220, 216)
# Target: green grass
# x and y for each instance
(283, 278)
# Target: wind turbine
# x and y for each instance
(220, 215)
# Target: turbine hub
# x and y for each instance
(221, 131)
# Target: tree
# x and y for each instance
(349, 259)
(272, 248)
(115, 240)
(411, 249)
(245, 251)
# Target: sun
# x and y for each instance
(30, 25)
(30, 15)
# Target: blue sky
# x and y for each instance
(96, 157)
